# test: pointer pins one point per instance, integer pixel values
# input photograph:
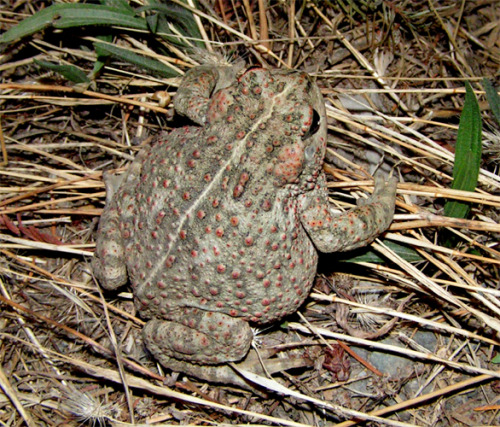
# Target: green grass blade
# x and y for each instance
(29, 26)
(151, 64)
(70, 72)
(73, 15)
(162, 15)
(493, 99)
(102, 56)
(369, 255)
(77, 15)
(120, 4)
(467, 154)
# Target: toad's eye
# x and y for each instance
(314, 125)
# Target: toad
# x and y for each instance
(217, 225)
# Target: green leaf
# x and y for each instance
(28, 26)
(161, 16)
(493, 99)
(70, 72)
(77, 15)
(368, 255)
(496, 359)
(74, 15)
(467, 154)
(102, 56)
(151, 64)
(101, 52)
(120, 4)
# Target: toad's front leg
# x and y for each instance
(197, 86)
(352, 230)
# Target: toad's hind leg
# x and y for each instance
(197, 338)
(109, 258)
(109, 264)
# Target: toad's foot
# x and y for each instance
(198, 337)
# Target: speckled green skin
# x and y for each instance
(217, 225)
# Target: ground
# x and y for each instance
(407, 333)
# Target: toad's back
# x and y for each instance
(208, 215)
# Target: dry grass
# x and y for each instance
(438, 307)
